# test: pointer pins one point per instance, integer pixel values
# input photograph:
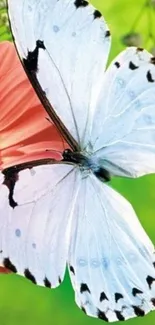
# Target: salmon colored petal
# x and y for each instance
(7, 52)
(25, 132)
(3, 270)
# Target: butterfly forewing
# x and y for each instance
(124, 140)
(53, 39)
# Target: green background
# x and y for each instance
(22, 303)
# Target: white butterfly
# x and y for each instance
(63, 213)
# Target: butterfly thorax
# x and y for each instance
(85, 161)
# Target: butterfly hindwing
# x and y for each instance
(111, 258)
(35, 218)
(91, 227)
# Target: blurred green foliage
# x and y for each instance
(4, 22)
(22, 303)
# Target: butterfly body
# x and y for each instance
(86, 162)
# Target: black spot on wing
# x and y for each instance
(119, 315)
(97, 14)
(83, 309)
(30, 276)
(47, 283)
(31, 62)
(59, 279)
(136, 291)
(149, 77)
(72, 269)
(8, 265)
(10, 179)
(153, 301)
(150, 280)
(117, 64)
(102, 315)
(132, 66)
(40, 45)
(107, 33)
(103, 296)
(153, 60)
(81, 3)
(84, 288)
(118, 296)
(140, 49)
(138, 311)
(154, 264)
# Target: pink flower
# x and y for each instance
(25, 132)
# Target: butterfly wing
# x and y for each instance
(64, 47)
(110, 257)
(123, 134)
(42, 229)
(35, 218)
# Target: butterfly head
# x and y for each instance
(74, 157)
(67, 154)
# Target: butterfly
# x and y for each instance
(63, 213)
